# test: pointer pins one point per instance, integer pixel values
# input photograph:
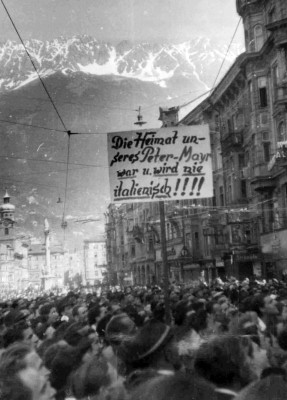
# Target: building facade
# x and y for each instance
(95, 261)
(242, 230)
(13, 252)
(246, 113)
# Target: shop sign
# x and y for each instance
(245, 257)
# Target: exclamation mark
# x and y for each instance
(176, 188)
(193, 185)
(184, 186)
(200, 186)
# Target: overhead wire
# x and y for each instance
(227, 51)
(50, 98)
(53, 161)
(31, 125)
(34, 66)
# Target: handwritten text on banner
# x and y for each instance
(171, 163)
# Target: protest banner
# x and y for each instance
(172, 163)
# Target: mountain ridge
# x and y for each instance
(147, 62)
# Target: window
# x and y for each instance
(6, 231)
(168, 231)
(218, 158)
(188, 240)
(229, 190)
(258, 37)
(133, 250)
(196, 240)
(262, 92)
(275, 75)
(241, 161)
(243, 188)
(214, 199)
(281, 133)
(221, 195)
(250, 90)
(266, 151)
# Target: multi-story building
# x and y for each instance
(134, 243)
(241, 231)
(95, 261)
(246, 113)
(13, 252)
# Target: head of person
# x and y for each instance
(274, 386)
(49, 313)
(153, 346)
(20, 332)
(173, 387)
(80, 313)
(23, 375)
(270, 305)
(120, 328)
(65, 307)
(223, 361)
(91, 376)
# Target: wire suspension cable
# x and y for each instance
(34, 66)
(227, 51)
(64, 223)
(52, 161)
(32, 126)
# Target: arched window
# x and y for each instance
(281, 134)
(258, 37)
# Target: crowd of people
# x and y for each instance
(222, 341)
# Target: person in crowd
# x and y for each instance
(153, 346)
(223, 362)
(23, 375)
(65, 309)
(20, 332)
(79, 313)
(173, 387)
(271, 387)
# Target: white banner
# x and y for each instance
(172, 163)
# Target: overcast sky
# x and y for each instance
(115, 20)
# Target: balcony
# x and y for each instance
(263, 183)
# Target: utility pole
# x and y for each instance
(164, 262)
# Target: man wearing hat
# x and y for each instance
(153, 347)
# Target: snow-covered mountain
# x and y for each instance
(96, 88)
(150, 63)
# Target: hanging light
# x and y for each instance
(139, 122)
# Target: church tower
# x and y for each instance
(7, 217)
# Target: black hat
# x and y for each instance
(119, 328)
(149, 339)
